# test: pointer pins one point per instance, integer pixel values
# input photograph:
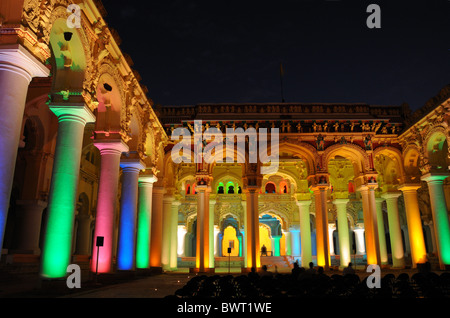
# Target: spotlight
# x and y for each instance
(68, 36)
(107, 87)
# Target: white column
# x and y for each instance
(17, 68)
(360, 244)
(181, 240)
(395, 232)
(331, 229)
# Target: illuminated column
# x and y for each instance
(381, 232)
(173, 259)
(276, 245)
(110, 151)
(414, 222)
(435, 183)
(288, 247)
(395, 232)
(128, 213)
(157, 227)
(212, 205)
(252, 230)
(145, 189)
(203, 231)
(216, 242)
(57, 247)
(305, 233)
(344, 238)
(244, 232)
(181, 240)
(295, 242)
(331, 229)
(17, 68)
(360, 244)
(84, 234)
(323, 256)
(370, 224)
(166, 222)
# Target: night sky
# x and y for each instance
(215, 51)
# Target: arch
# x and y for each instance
(354, 153)
(436, 149)
(302, 150)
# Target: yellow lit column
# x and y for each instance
(435, 183)
(395, 232)
(252, 228)
(244, 233)
(381, 233)
(414, 221)
(344, 238)
(305, 232)
(212, 204)
(202, 253)
(323, 255)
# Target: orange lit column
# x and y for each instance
(305, 232)
(202, 253)
(110, 151)
(157, 227)
(322, 240)
(435, 183)
(395, 232)
(344, 238)
(414, 221)
(370, 224)
(252, 227)
(17, 68)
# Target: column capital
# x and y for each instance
(111, 146)
(391, 195)
(340, 201)
(132, 164)
(435, 177)
(305, 204)
(408, 187)
(72, 112)
(147, 179)
(18, 59)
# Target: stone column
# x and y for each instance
(203, 230)
(57, 248)
(212, 205)
(145, 189)
(276, 245)
(216, 243)
(381, 232)
(157, 227)
(435, 183)
(17, 68)
(128, 213)
(414, 222)
(395, 232)
(288, 247)
(305, 233)
(360, 244)
(323, 255)
(331, 229)
(344, 238)
(84, 234)
(110, 151)
(28, 226)
(181, 240)
(252, 228)
(173, 258)
(166, 222)
(296, 241)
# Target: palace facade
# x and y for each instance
(87, 155)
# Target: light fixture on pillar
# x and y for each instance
(68, 36)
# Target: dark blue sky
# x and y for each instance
(190, 52)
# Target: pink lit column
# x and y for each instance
(110, 151)
(17, 68)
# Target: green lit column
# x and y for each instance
(435, 183)
(305, 233)
(62, 197)
(145, 194)
(395, 232)
(276, 245)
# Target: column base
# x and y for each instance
(204, 271)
